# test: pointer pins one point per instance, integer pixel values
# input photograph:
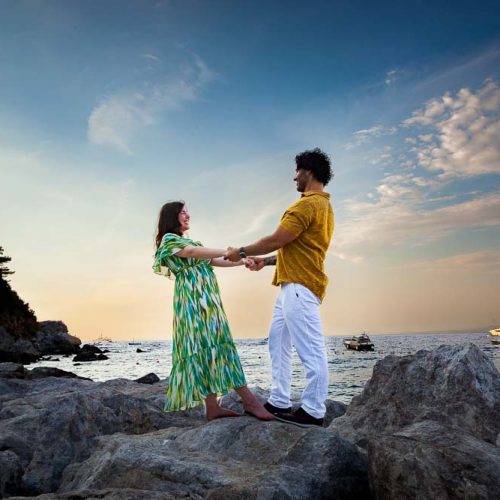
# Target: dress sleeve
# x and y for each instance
(170, 245)
(296, 219)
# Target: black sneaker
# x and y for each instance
(274, 410)
(299, 417)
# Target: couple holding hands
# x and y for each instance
(205, 362)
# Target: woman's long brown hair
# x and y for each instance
(168, 220)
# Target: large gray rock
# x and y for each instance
(50, 422)
(12, 370)
(53, 338)
(17, 370)
(11, 473)
(226, 458)
(72, 437)
(429, 460)
(454, 385)
(432, 415)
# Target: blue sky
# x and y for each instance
(108, 109)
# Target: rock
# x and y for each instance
(150, 378)
(12, 370)
(91, 348)
(53, 338)
(11, 473)
(455, 385)
(139, 350)
(47, 371)
(76, 438)
(226, 458)
(427, 422)
(16, 350)
(428, 460)
(90, 352)
(51, 422)
(108, 494)
(85, 356)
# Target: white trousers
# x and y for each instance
(296, 321)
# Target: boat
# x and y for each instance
(360, 343)
(134, 342)
(101, 339)
(495, 336)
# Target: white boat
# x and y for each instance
(494, 336)
(361, 343)
(101, 339)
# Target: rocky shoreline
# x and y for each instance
(425, 426)
(51, 337)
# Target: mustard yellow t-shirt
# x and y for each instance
(311, 220)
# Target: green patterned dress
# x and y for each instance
(204, 357)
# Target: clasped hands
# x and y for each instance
(251, 263)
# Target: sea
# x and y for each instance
(348, 370)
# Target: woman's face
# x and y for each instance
(184, 219)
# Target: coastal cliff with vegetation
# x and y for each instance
(15, 315)
(22, 338)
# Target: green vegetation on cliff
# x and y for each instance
(15, 314)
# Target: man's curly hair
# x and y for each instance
(317, 162)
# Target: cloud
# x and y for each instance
(117, 118)
(399, 217)
(455, 136)
(484, 260)
(390, 77)
(365, 136)
(462, 136)
(151, 57)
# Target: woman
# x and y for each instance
(205, 362)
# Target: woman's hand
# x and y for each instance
(254, 263)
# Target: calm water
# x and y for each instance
(349, 370)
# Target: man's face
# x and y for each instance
(301, 178)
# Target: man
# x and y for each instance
(302, 240)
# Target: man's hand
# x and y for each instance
(232, 254)
(254, 263)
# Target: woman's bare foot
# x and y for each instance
(220, 412)
(251, 404)
(258, 411)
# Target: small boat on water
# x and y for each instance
(101, 340)
(134, 342)
(360, 343)
(495, 336)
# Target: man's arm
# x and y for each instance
(257, 263)
(268, 244)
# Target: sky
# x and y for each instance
(110, 109)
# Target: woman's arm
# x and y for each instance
(220, 262)
(190, 251)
